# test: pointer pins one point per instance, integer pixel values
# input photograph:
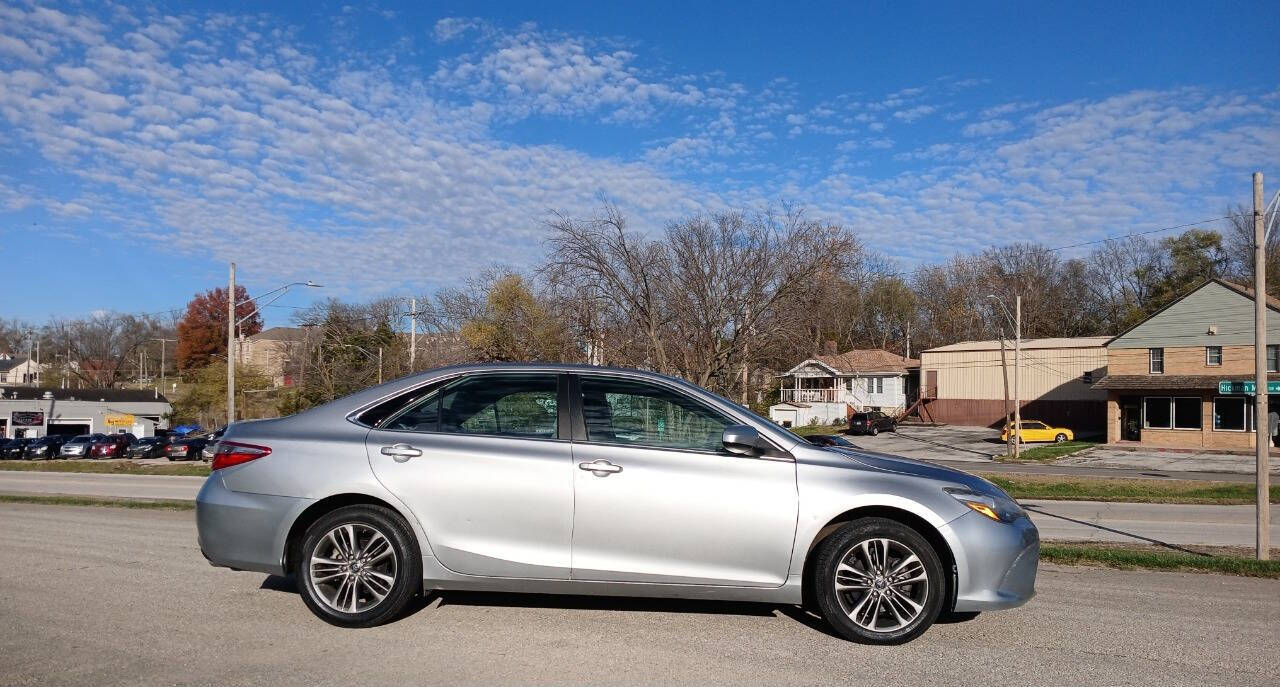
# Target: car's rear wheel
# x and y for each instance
(1060, 438)
(878, 581)
(360, 566)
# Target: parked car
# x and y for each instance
(79, 446)
(112, 446)
(1035, 430)
(190, 448)
(211, 442)
(44, 448)
(148, 447)
(830, 440)
(512, 478)
(872, 422)
(15, 448)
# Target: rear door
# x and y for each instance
(659, 500)
(483, 466)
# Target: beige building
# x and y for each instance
(1184, 376)
(276, 353)
(966, 383)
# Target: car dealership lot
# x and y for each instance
(110, 596)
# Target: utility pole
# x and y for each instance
(1017, 369)
(1262, 439)
(379, 364)
(908, 339)
(231, 345)
(413, 333)
(1008, 415)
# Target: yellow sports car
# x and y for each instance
(1035, 430)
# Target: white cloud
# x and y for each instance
(912, 114)
(991, 127)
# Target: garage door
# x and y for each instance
(68, 429)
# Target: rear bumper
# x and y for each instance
(996, 563)
(244, 531)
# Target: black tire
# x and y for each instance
(841, 545)
(893, 427)
(1060, 438)
(874, 430)
(407, 576)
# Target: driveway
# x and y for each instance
(1166, 461)
(950, 443)
(124, 597)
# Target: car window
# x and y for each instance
(506, 405)
(624, 411)
(421, 416)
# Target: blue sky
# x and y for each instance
(387, 150)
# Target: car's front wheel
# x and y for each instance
(359, 567)
(878, 581)
(874, 430)
(1060, 438)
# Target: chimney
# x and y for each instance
(829, 347)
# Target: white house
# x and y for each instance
(828, 388)
(18, 370)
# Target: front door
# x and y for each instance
(659, 500)
(483, 467)
(1130, 419)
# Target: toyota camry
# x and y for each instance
(570, 479)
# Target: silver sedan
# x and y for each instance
(569, 479)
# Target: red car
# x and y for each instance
(113, 446)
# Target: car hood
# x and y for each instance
(884, 462)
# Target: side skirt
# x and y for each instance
(437, 577)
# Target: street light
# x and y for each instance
(232, 323)
(1016, 320)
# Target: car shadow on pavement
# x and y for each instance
(603, 603)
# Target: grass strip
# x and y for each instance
(108, 467)
(1042, 454)
(97, 501)
(1126, 490)
(1155, 559)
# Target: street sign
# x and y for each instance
(1246, 386)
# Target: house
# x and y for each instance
(19, 369)
(827, 388)
(966, 383)
(276, 353)
(1184, 376)
(34, 412)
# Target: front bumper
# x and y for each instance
(996, 562)
(244, 531)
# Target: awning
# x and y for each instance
(1170, 382)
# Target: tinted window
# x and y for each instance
(508, 405)
(621, 411)
(421, 416)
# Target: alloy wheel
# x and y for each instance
(353, 567)
(882, 585)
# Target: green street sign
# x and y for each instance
(1247, 386)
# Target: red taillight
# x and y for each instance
(230, 453)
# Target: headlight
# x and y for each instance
(998, 508)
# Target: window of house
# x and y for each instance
(875, 385)
(624, 411)
(1155, 357)
(1213, 356)
(1273, 358)
(1157, 412)
(1186, 413)
(1231, 413)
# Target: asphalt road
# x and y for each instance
(1076, 520)
(93, 596)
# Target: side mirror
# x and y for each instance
(743, 440)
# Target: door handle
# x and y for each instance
(400, 452)
(600, 468)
